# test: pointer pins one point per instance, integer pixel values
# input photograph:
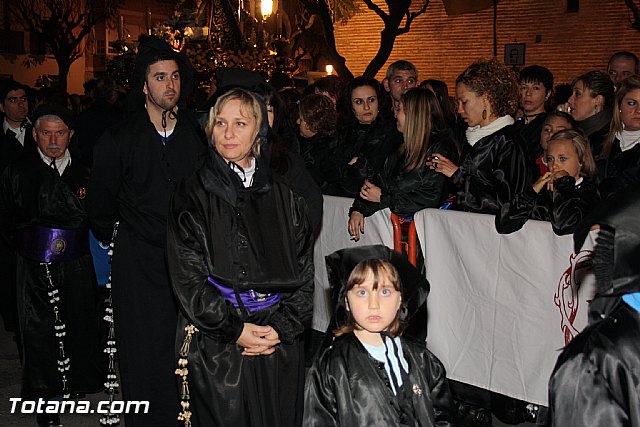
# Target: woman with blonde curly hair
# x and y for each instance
(493, 166)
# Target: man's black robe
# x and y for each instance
(32, 193)
(134, 174)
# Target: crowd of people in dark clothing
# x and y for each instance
(209, 206)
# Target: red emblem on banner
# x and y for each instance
(566, 296)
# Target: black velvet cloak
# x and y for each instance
(405, 193)
(565, 207)
(596, 381)
(10, 150)
(530, 133)
(347, 387)
(133, 176)
(371, 144)
(32, 193)
(491, 173)
(317, 153)
(257, 238)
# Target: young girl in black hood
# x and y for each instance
(371, 374)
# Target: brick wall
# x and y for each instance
(442, 46)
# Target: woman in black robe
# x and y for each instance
(240, 260)
(367, 135)
(621, 150)
(493, 165)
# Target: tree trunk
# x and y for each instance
(339, 64)
(330, 51)
(64, 64)
(387, 40)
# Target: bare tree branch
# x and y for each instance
(64, 25)
(371, 5)
(635, 10)
(411, 16)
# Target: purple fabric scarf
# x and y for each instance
(252, 300)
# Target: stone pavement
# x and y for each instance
(10, 374)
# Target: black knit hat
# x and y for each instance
(55, 110)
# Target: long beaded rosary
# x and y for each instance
(59, 328)
(111, 384)
(183, 372)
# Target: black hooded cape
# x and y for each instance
(256, 238)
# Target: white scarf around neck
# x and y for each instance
(246, 175)
(628, 139)
(476, 133)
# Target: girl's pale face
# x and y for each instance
(400, 116)
(581, 103)
(373, 309)
(234, 134)
(364, 101)
(552, 125)
(562, 155)
(630, 110)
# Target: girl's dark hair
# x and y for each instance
(319, 113)
(379, 269)
(291, 99)
(333, 85)
(281, 136)
(346, 116)
(441, 91)
(565, 116)
(537, 74)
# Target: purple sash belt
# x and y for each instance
(252, 300)
(52, 244)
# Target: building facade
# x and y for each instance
(18, 47)
(566, 41)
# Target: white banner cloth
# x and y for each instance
(501, 306)
(334, 236)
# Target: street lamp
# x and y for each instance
(266, 7)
